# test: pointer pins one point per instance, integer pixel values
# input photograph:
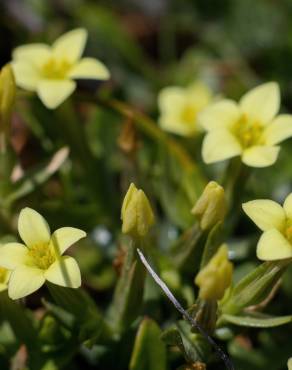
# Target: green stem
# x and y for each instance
(234, 182)
(92, 169)
(128, 295)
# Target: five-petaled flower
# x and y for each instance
(249, 129)
(40, 259)
(276, 223)
(51, 70)
(179, 108)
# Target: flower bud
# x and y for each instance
(7, 93)
(137, 215)
(289, 364)
(211, 206)
(216, 276)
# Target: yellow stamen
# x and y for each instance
(42, 256)
(248, 132)
(55, 68)
(288, 233)
(189, 114)
(3, 275)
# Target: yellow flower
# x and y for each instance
(216, 276)
(136, 214)
(40, 259)
(250, 128)
(179, 107)
(51, 70)
(289, 363)
(276, 223)
(211, 207)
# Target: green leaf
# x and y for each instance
(149, 350)
(19, 321)
(254, 287)
(84, 310)
(128, 296)
(257, 322)
(172, 337)
(190, 344)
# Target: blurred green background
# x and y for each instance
(232, 45)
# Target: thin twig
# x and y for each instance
(185, 314)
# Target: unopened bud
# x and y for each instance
(216, 276)
(137, 215)
(211, 206)
(7, 93)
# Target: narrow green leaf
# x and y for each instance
(257, 322)
(149, 350)
(128, 295)
(86, 314)
(254, 287)
(190, 344)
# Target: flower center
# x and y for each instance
(288, 233)
(189, 114)
(3, 275)
(42, 256)
(56, 68)
(249, 132)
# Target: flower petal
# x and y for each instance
(288, 206)
(24, 281)
(64, 272)
(279, 130)
(172, 122)
(200, 94)
(53, 92)
(64, 237)
(273, 246)
(90, 68)
(3, 287)
(219, 145)
(71, 45)
(13, 255)
(26, 75)
(33, 228)
(35, 54)
(260, 156)
(171, 99)
(219, 115)
(266, 214)
(262, 103)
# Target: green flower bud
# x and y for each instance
(216, 276)
(7, 93)
(211, 206)
(289, 364)
(137, 215)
